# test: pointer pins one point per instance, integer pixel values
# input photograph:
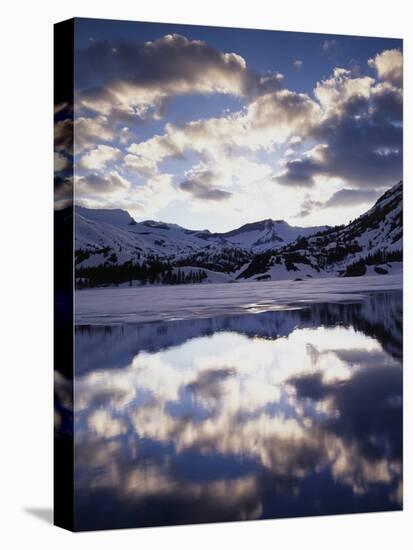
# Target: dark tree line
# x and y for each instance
(153, 272)
(225, 260)
(359, 267)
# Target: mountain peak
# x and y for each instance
(112, 216)
(393, 191)
(264, 250)
(267, 223)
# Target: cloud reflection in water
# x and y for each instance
(241, 422)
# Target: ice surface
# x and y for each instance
(134, 305)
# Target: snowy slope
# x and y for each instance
(265, 235)
(370, 245)
(111, 247)
(116, 230)
(381, 227)
(117, 217)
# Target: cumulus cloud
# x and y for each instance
(143, 157)
(97, 184)
(98, 158)
(61, 162)
(200, 182)
(113, 190)
(63, 192)
(104, 425)
(63, 136)
(136, 79)
(268, 120)
(361, 132)
(349, 197)
(388, 103)
(89, 130)
(351, 127)
(285, 112)
(151, 196)
(389, 66)
(345, 197)
(225, 142)
(140, 165)
(355, 120)
(82, 133)
(300, 171)
(337, 91)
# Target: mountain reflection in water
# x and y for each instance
(278, 414)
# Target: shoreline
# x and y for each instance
(114, 306)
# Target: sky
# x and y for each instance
(212, 128)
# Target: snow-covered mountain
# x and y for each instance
(107, 237)
(263, 235)
(372, 244)
(111, 247)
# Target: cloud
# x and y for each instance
(200, 183)
(354, 120)
(136, 79)
(300, 172)
(141, 165)
(282, 114)
(83, 133)
(155, 193)
(144, 157)
(63, 192)
(60, 162)
(389, 66)
(338, 90)
(209, 383)
(112, 190)
(307, 206)
(227, 147)
(89, 130)
(99, 157)
(388, 103)
(351, 127)
(63, 135)
(315, 410)
(329, 45)
(361, 132)
(268, 120)
(350, 197)
(62, 107)
(342, 198)
(104, 425)
(95, 184)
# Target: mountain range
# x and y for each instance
(112, 248)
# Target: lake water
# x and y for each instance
(271, 414)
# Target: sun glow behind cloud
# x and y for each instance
(177, 128)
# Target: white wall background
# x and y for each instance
(26, 272)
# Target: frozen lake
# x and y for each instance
(284, 413)
(222, 402)
(180, 302)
